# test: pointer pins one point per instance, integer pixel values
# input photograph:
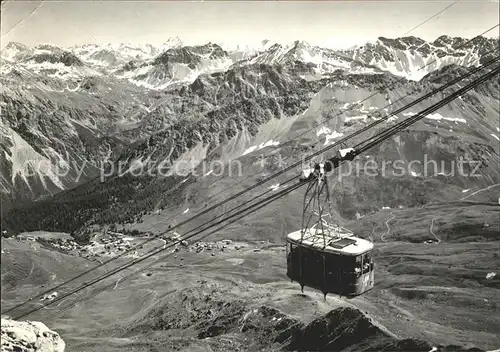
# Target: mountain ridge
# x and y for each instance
(59, 109)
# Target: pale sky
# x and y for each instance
(325, 23)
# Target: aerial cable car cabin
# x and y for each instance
(324, 256)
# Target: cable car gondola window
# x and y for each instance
(367, 261)
(357, 268)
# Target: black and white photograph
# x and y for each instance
(261, 176)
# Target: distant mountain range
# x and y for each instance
(158, 67)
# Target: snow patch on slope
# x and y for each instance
(353, 118)
(323, 130)
(329, 134)
(436, 116)
(330, 137)
(260, 146)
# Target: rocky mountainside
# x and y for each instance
(29, 336)
(413, 57)
(265, 328)
(66, 113)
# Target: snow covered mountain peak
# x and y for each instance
(173, 63)
(15, 51)
(172, 42)
(113, 55)
(254, 47)
(413, 57)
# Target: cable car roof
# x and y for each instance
(342, 242)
